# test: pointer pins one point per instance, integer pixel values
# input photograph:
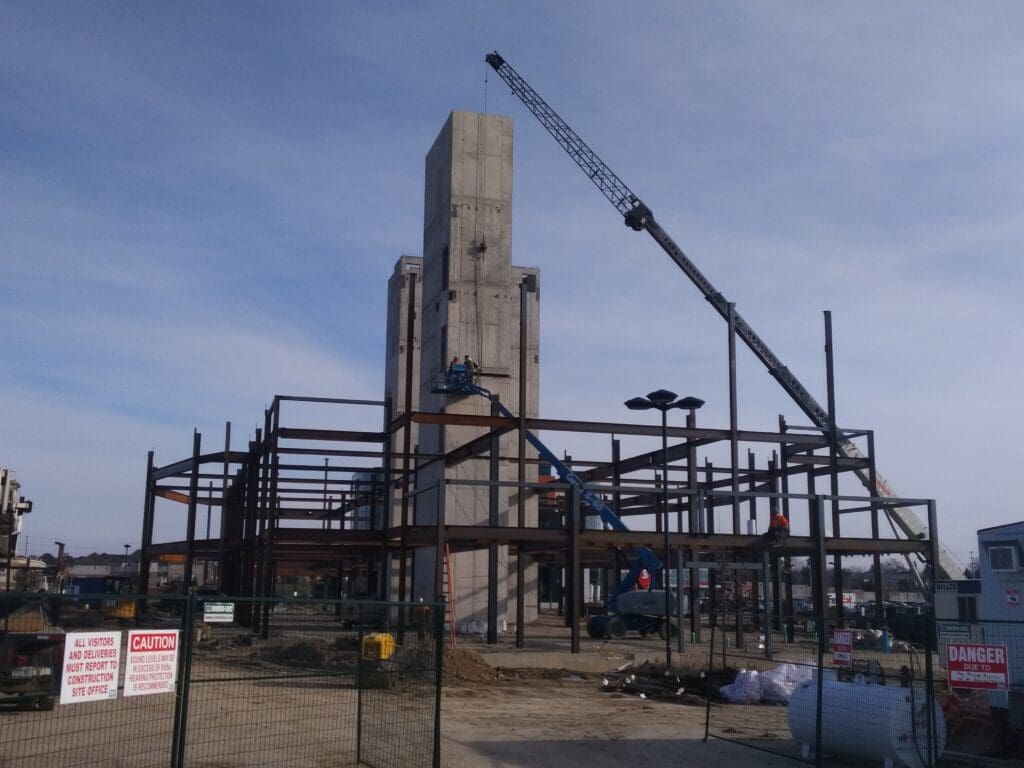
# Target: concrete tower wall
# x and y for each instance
(470, 305)
(405, 283)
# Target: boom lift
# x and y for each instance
(637, 615)
(639, 217)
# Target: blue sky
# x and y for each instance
(200, 204)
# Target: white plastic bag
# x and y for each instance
(778, 684)
(745, 690)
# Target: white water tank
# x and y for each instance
(883, 724)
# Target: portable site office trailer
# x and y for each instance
(1001, 608)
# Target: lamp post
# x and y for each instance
(664, 400)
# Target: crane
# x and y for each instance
(639, 217)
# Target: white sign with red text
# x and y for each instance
(92, 663)
(973, 665)
(842, 648)
(151, 665)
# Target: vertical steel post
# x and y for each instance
(180, 728)
(713, 596)
(524, 311)
(193, 490)
(225, 482)
(930, 638)
(833, 465)
(668, 550)
(572, 611)
(767, 624)
(694, 527)
(147, 529)
(876, 561)
(209, 512)
(734, 449)
(734, 456)
(493, 521)
(820, 609)
(787, 562)
(617, 499)
(387, 505)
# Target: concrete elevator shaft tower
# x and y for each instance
(470, 305)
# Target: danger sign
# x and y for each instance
(152, 662)
(973, 665)
(842, 648)
(92, 661)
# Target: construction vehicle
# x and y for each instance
(639, 216)
(118, 603)
(31, 648)
(624, 610)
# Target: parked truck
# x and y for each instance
(31, 654)
(31, 645)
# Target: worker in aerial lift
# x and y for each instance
(451, 366)
(643, 579)
(472, 369)
(778, 529)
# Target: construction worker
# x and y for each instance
(472, 369)
(778, 529)
(451, 366)
(643, 579)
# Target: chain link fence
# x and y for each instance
(810, 689)
(218, 681)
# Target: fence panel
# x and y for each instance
(399, 690)
(37, 728)
(266, 683)
(289, 682)
(862, 695)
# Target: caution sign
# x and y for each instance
(842, 648)
(92, 663)
(974, 665)
(151, 665)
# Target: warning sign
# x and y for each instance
(973, 665)
(842, 648)
(92, 661)
(151, 665)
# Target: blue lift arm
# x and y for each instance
(459, 382)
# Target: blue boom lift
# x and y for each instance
(640, 613)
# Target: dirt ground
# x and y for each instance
(501, 706)
(542, 706)
(564, 722)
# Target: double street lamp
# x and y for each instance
(663, 400)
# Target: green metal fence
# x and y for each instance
(218, 681)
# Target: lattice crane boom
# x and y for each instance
(639, 216)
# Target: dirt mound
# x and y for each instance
(539, 673)
(467, 666)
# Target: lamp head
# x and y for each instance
(661, 397)
(691, 403)
(639, 404)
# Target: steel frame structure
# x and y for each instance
(282, 501)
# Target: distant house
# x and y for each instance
(103, 564)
